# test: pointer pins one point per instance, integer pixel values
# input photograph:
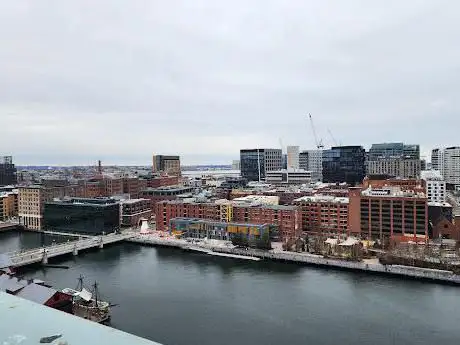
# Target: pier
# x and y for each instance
(43, 254)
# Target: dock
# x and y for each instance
(371, 266)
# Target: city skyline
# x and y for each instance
(209, 80)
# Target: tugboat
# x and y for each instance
(87, 307)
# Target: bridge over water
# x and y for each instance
(30, 256)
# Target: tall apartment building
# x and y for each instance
(388, 213)
(312, 160)
(255, 162)
(292, 157)
(435, 186)
(447, 161)
(7, 171)
(395, 160)
(344, 164)
(323, 214)
(167, 164)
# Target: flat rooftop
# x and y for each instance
(26, 323)
(323, 199)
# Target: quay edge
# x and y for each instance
(401, 271)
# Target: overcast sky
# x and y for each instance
(119, 80)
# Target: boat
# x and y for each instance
(87, 307)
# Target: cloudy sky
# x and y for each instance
(119, 80)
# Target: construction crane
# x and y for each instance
(332, 137)
(319, 143)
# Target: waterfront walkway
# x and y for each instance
(36, 255)
(372, 266)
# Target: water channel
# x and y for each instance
(179, 298)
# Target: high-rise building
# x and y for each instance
(435, 186)
(393, 150)
(303, 160)
(437, 159)
(292, 157)
(395, 167)
(344, 164)
(451, 166)
(168, 164)
(7, 171)
(284, 161)
(447, 162)
(255, 162)
(315, 164)
(394, 160)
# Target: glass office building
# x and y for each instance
(254, 162)
(89, 216)
(344, 164)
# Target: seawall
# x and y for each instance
(318, 260)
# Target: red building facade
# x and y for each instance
(285, 217)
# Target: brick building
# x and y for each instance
(133, 210)
(286, 218)
(323, 214)
(133, 186)
(404, 184)
(163, 193)
(388, 213)
(162, 181)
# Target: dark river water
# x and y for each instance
(178, 298)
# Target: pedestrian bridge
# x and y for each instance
(27, 257)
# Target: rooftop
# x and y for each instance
(133, 201)
(257, 199)
(168, 189)
(393, 191)
(323, 199)
(209, 221)
(43, 322)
